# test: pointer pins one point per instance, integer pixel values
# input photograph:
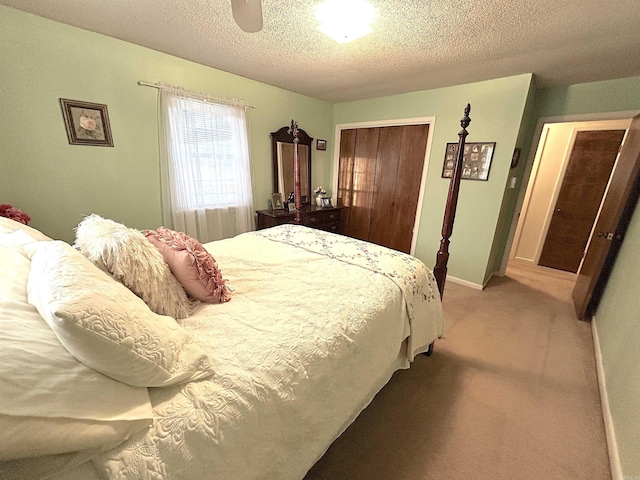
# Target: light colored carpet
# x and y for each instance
(511, 393)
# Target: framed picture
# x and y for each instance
(475, 162)
(326, 202)
(86, 123)
(321, 144)
(276, 201)
(292, 207)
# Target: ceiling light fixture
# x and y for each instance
(345, 20)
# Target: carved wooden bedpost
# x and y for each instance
(296, 174)
(442, 257)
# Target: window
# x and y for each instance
(207, 166)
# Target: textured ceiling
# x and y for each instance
(416, 44)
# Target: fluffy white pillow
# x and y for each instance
(105, 326)
(50, 403)
(131, 259)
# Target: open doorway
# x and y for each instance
(569, 175)
(607, 232)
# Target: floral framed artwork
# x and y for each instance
(475, 162)
(86, 123)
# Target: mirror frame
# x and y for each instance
(284, 135)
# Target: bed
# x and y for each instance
(257, 387)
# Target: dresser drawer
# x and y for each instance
(330, 217)
(330, 227)
(313, 219)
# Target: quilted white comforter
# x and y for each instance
(312, 333)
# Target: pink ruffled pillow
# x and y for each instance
(191, 264)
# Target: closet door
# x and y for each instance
(399, 165)
(363, 173)
(380, 171)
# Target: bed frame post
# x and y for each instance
(442, 257)
(297, 195)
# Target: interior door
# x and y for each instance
(619, 203)
(589, 168)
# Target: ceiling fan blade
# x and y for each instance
(247, 14)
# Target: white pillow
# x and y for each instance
(131, 259)
(105, 326)
(16, 240)
(7, 225)
(49, 402)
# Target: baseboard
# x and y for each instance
(466, 283)
(484, 285)
(525, 260)
(612, 444)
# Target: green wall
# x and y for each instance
(57, 183)
(618, 324)
(617, 317)
(510, 199)
(618, 95)
(497, 108)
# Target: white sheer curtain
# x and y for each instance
(205, 166)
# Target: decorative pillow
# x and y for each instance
(50, 403)
(105, 326)
(131, 259)
(191, 264)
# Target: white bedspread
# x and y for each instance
(300, 350)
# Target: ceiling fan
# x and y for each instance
(247, 14)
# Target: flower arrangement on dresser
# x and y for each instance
(320, 194)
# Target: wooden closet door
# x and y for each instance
(360, 201)
(401, 152)
(379, 175)
(345, 173)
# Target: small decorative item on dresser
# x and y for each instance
(326, 202)
(276, 201)
(320, 193)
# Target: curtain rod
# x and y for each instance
(160, 87)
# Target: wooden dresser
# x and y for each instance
(316, 217)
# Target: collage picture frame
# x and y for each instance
(476, 160)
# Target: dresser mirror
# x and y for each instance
(282, 152)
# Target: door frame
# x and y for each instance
(564, 163)
(400, 122)
(527, 174)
